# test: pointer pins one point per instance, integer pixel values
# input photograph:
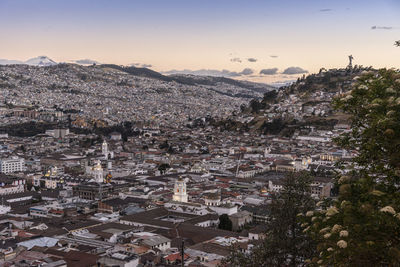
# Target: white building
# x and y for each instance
(105, 151)
(180, 193)
(104, 148)
(13, 164)
(228, 209)
(212, 199)
(11, 186)
(98, 172)
(58, 133)
(120, 258)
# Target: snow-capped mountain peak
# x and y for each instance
(40, 61)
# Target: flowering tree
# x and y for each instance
(362, 227)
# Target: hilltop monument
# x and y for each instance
(350, 66)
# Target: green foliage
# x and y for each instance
(374, 104)
(163, 167)
(274, 127)
(225, 223)
(285, 243)
(255, 106)
(362, 227)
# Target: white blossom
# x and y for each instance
(388, 209)
(341, 244)
(336, 228)
(324, 230)
(344, 233)
(332, 211)
(390, 90)
(309, 213)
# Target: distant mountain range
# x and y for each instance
(36, 61)
(45, 61)
(187, 79)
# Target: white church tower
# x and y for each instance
(104, 149)
(180, 193)
(98, 173)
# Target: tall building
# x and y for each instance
(104, 149)
(180, 193)
(13, 164)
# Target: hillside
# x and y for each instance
(113, 94)
(303, 104)
(194, 80)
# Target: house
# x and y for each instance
(115, 136)
(120, 258)
(152, 241)
(257, 232)
(239, 219)
(117, 204)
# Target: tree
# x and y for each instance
(164, 145)
(242, 108)
(225, 223)
(363, 226)
(29, 185)
(163, 167)
(285, 243)
(255, 106)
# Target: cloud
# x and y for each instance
(236, 59)
(282, 83)
(211, 72)
(325, 10)
(140, 65)
(86, 61)
(294, 70)
(251, 59)
(9, 62)
(381, 28)
(273, 56)
(246, 71)
(271, 71)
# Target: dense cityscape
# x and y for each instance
(199, 133)
(73, 193)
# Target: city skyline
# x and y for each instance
(264, 41)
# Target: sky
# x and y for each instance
(264, 41)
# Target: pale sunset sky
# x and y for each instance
(265, 41)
